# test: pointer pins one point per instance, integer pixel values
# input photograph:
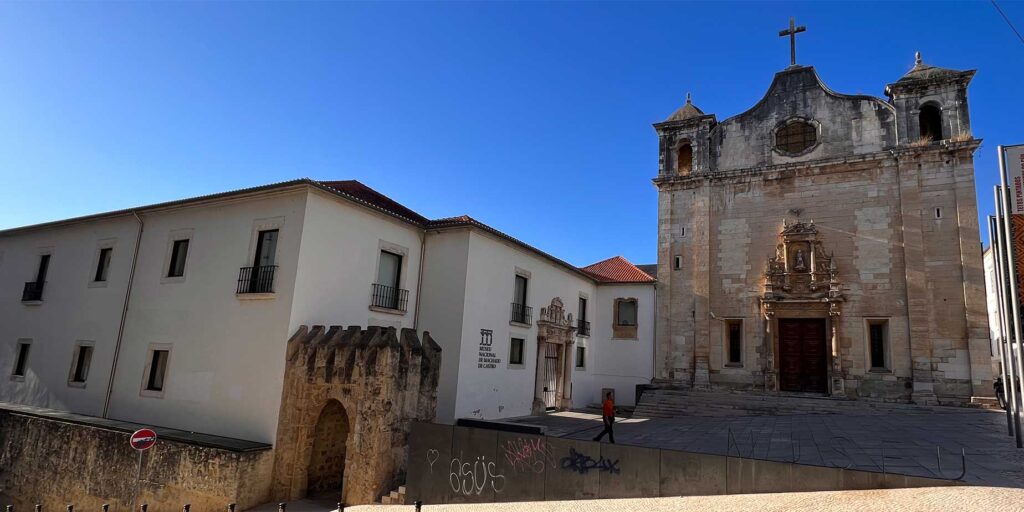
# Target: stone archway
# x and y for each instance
(326, 470)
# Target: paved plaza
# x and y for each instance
(925, 499)
(926, 443)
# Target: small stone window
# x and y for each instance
(734, 342)
(684, 158)
(931, 123)
(796, 137)
(625, 321)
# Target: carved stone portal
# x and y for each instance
(555, 337)
(801, 280)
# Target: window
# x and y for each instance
(103, 264)
(179, 253)
(581, 353)
(266, 248)
(44, 265)
(930, 121)
(734, 342)
(157, 369)
(582, 313)
(878, 340)
(684, 159)
(515, 351)
(21, 358)
(938, 213)
(520, 311)
(80, 364)
(386, 293)
(796, 137)
(521, 282)
(626, 312)
(624, 324)
(677, 263)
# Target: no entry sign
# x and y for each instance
(143, 439)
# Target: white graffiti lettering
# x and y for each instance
(471, 478)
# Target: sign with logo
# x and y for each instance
(486, 356)
(143, 439)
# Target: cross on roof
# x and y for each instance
(792, 31)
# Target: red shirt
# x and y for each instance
(609, 407)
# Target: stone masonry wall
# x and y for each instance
(55, 463)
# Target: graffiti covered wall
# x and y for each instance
(470, 465)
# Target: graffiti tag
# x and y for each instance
(432, 456)
(471, 478)
(527, 454)
(582, 463)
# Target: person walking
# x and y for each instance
(608, 417)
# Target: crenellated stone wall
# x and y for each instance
(363, 385)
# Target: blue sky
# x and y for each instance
(532, 117)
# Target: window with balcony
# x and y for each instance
(386, 293)
(33, 290)
(259, 278)
(521, 313)
(582, 325)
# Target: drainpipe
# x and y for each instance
(419, 281)
(124, 315)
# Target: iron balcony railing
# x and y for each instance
(522, 314)
(33, 291)
(256, 279)
(389, 297)
(583, 328)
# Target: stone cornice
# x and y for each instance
(821, 166)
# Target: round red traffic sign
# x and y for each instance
(143, 439)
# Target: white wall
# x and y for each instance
(72, 309)
(226, 365)
(506, 391)
(341, 244)
(442, 310)
(617, 363)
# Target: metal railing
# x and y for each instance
(33, 291)
(522, 314)
(583, 328)
(389, 297)
(256, 279)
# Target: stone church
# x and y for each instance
(824, 243)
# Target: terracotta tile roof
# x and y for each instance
(617, 270)
(358, 190)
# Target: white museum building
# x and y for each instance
(177, 314)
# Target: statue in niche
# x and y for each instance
(799, 263)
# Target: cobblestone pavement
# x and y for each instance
(926, 499)
(926, 444)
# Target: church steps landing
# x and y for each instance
(669, 403)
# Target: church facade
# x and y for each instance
(825, 243)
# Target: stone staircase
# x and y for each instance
(668, 403)
(396, 497)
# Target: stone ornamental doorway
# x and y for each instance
(556, 334)
(326, 470)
